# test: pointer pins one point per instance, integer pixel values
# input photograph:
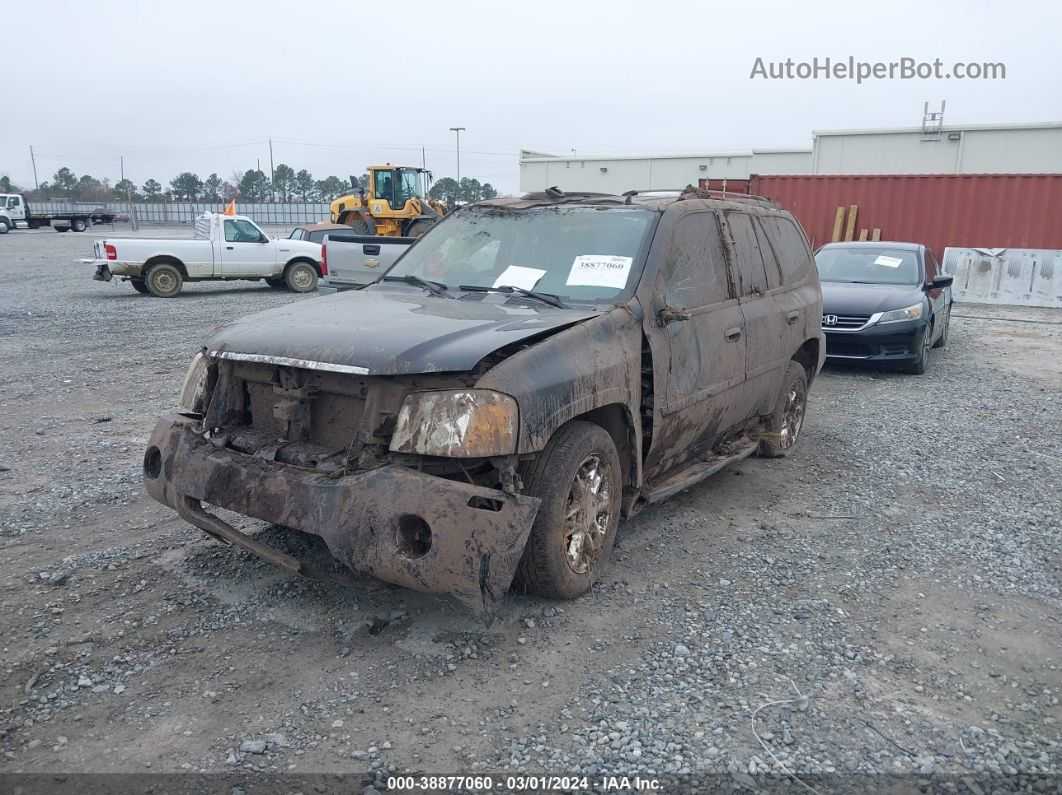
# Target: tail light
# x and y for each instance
(112, 252)
(324, 258)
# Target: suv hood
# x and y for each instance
(845, 298)
(380, 332)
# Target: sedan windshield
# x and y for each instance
(574, 253)
(867, 265)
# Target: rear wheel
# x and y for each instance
(361, 226)
(139, 286)
(301, 277)
(578, 479)
(418, 228)
(79, 225)
(787, 420)
(164, 280)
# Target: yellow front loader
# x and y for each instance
(394, 203)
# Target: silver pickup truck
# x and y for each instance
(353, 261)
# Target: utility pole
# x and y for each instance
(36, 185)
(272, 172)
(458, 131)
(423, 159)
(121, 165)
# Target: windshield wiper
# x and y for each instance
(435, 288)
(545, 298)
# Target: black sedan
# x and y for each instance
(883, 302)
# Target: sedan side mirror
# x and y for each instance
(940, 282)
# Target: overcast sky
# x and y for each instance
(200, 86)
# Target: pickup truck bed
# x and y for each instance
(357, 260)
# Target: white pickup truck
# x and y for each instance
(223, 247)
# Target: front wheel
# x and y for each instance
(787, 420)
(164, 280)
(578, 478)
(942, 340)
(361, 226)
(301, 277)
(918, 366)
(4, 226)
(418, 228)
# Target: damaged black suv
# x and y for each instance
(528, 372)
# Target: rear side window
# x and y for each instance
(794, 258)
(696, 272)
(747, 250)
(770, 262)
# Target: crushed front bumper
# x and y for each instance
(400, 525)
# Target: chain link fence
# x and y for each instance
(278, 213)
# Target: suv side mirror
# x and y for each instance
(670, 314)
(940, 281)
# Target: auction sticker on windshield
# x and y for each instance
(600, 270)
(889, 262)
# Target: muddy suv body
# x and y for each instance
(531, 370)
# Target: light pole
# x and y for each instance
(458, 131)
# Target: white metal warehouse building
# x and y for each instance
(950, 149)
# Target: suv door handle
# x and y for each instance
(792, 317)
(732, 334)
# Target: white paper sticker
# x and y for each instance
(600, 270)
(519, 276)
(889, 262)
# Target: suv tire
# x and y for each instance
(579, 479)
(787, 420)
(164, 280)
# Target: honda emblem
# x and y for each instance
(829, 320)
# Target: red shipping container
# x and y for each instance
(969, 210)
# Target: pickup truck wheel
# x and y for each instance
(301, 277)
(787, 420)
(277, 284)
(418, 228)
(577, 477)
(164, 280)
(139, 286)
(4, 226)
(79, 225)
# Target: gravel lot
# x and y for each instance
(885, 601)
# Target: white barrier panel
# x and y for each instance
(1019, 276)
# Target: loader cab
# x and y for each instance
(396, 186)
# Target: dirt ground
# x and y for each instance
(895, 583)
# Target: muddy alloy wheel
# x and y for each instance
(578, 479)
(164, 280)
(787, 419)
(587, 514)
